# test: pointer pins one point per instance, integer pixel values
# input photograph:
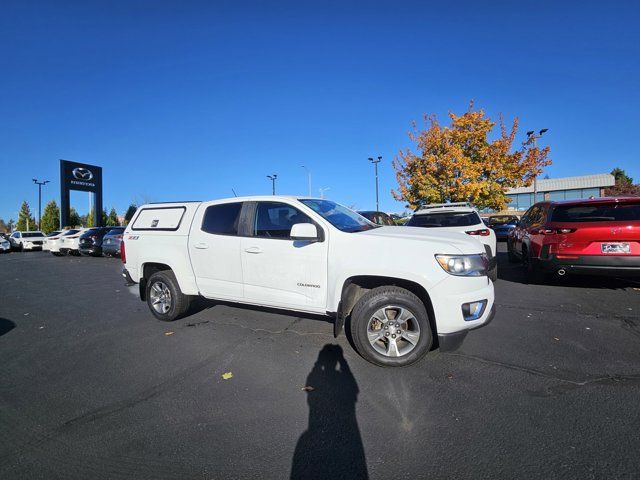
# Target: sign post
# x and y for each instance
(83, 177)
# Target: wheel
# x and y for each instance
(390, 327)
(533, 274)
(57, 254)
(511, 255)
(493, 274)
(164, 297)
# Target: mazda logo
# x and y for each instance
(82, 174)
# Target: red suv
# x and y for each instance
(599, 236)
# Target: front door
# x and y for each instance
(279, 271)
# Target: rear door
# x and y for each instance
(279, 271)
(214, 248)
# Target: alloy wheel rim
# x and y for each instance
(393, 331)
(160, 296)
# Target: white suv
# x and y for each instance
(26, 240)
(462, 218)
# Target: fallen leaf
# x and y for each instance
(556, 339)
(227, 376)
(449, 375)
(307, 389)
(26, 314)
(168, 333)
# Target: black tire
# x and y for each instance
(178, 302)
(374, 301)
(493, 274)
(533, 274)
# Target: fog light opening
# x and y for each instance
(473, 310)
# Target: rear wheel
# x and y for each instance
(510, 253)
(390, 327)
(164, 297)
(533, 274)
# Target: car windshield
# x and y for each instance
(115, 231)
(53, 234)
(32, 234)
(611, 212)
(444, 219)
(70, 232)
(340, 217)
(502, 219)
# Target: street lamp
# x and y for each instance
(376, 162)
(308, 177)
(322, 190)
(273, 182)
(40, 184)
(532, 137)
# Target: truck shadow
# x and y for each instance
(514, 272)
(331, 447)
(6, 326)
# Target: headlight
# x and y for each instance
(464, 265)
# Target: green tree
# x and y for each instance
(131, 211)
(3, 227)
(90, 222)
(74, 219)
(621, 177)
(50, 217)
(25, 219)
(112, 219)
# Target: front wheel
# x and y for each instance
(493, 274)
(390, 327)
(164, 297)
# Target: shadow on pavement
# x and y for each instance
(331, 447)
(515, 272)
(6, 326)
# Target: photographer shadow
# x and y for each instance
(331, 447)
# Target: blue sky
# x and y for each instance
(187, 100)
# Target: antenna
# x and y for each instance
(234, 192)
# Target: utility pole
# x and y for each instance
(40, 184)
(376, 162)
(308, 178)
(273, 182)
(532, 137)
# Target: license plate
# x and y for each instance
(618, 247)
(107, 241)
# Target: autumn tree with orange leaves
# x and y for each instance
(459, 163)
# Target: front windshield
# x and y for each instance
(340, 217)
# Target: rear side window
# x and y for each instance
(222, 219)
(449, 219)
(274, 220)
(597, 213)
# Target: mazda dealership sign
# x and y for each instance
(83, 177)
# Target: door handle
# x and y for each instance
(253, 250)
(201, 245)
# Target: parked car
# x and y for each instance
(45, 242)
(69, 243)
(111, 242)
(459, 217)
(502, 225)
(599, 236)
(5, 245)
(55, 243)
(22, 241)
(90, 242)
(379, 218)
(315, 256)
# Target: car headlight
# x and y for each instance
(464, 265)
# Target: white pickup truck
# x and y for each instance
(397, 289)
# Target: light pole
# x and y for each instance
(273, 182)
(308, 177)
(376, 162)
(532, 137)
(40, 184)
(322, 190)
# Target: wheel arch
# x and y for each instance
(148, 269)
(355, 287)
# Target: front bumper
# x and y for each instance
(614, 265)
(449, 342)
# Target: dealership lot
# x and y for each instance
(94, 387)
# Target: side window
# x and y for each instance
(15, 235)
(525, 221)
(274, 220)
(222, 219)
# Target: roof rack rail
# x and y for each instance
(443, 205)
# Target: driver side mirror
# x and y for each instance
(304, 231)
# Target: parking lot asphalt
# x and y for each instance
(92, 386)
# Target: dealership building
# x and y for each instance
(554, 189)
